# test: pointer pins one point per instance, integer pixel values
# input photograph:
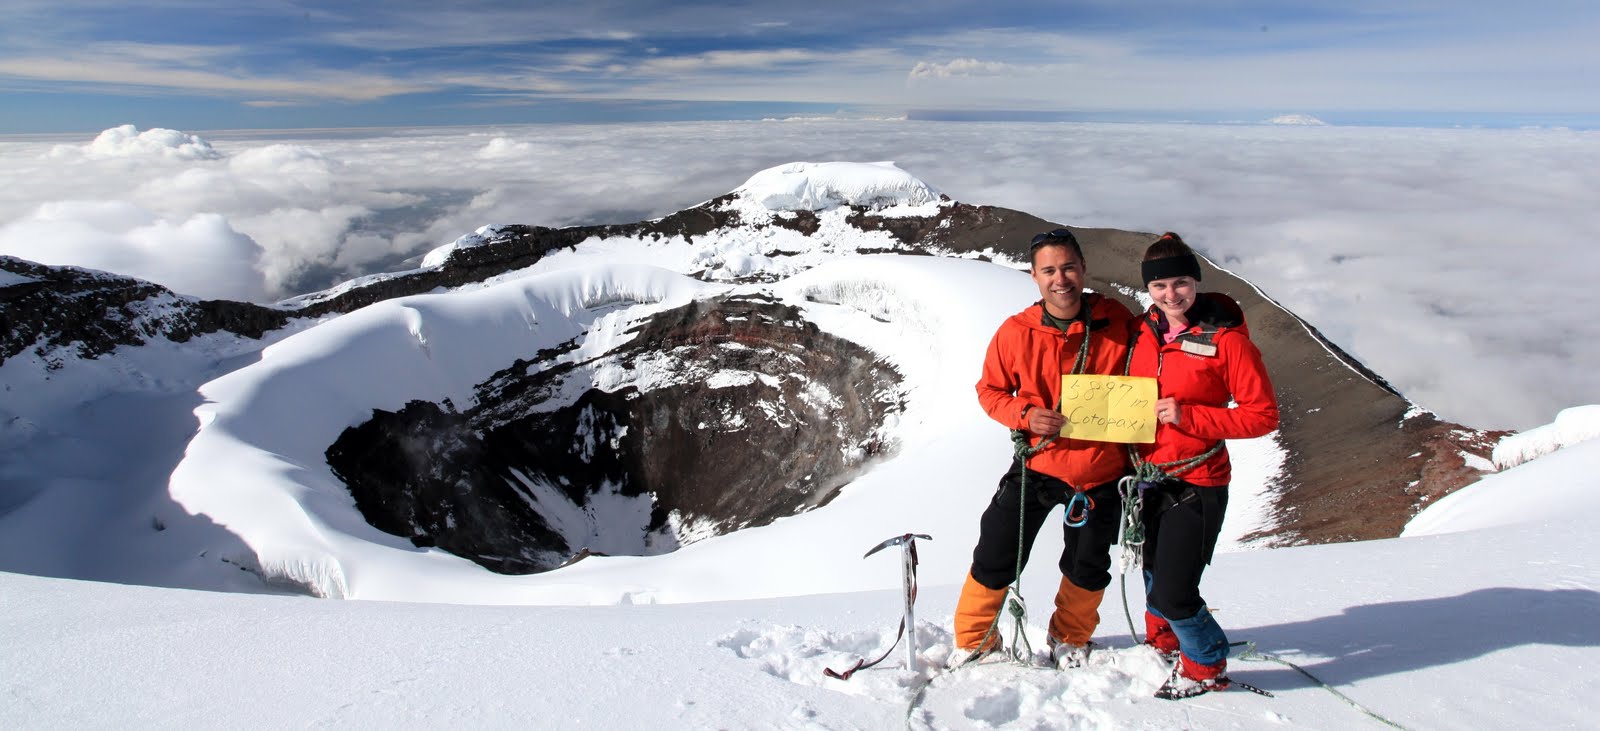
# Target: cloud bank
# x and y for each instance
(1454, 262)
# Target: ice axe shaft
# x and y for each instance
(908, 624)
(908, 579)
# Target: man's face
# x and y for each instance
(1059, 273)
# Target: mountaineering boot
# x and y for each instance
(975, 614)
(962, 656)
(1213, 674)
(1077, 613)
(1158, 634)
(1067, 656)
(1190, 678)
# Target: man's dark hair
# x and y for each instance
(1058, 237)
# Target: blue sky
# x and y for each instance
(85, 65)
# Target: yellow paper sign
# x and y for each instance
(1109, 408)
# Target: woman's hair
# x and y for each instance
(1169, 245)
(1169, 257)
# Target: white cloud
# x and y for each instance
(293, 240)
(200, 255)
(127, 141)
(959, 67)
(186, 69)
(503, 147)
(1454, 262)
(729, 60)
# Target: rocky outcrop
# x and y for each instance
(66, 312)
(723, 414)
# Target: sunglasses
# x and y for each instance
(1047, 237)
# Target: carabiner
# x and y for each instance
(1082, 504)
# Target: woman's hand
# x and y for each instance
(1167, 411)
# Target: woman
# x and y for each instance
(1197, 347)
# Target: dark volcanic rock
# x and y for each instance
(732, 413)
(69, 312)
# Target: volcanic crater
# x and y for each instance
(723, 414)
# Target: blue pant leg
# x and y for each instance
(1200, 638)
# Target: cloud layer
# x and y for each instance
(1454, 262)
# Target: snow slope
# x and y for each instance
(1410, 628)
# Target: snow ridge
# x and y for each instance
(813, 186)
(1573, 425)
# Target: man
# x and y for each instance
(1067, 331)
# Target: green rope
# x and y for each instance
(1130, 539)
(1132, 536)
(1012, 599)
(1024, 451)
(1251, 653)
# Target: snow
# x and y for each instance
(1407, 627)
(437, 257)
(257, 464)
(810, 186)
(1573, 425)
(9, 279)
(223, 487)
(1548, 488)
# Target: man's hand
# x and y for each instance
(1045, 422)
(1167, 411)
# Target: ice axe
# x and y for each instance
(908, 623)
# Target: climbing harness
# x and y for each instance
(1012, 599)
(1133, 488)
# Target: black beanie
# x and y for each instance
(1172, 266)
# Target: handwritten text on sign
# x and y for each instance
(1109, 408)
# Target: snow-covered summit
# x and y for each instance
(1297, 120)
(437, 257)
(816, 186)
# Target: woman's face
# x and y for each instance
(1173, 295)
